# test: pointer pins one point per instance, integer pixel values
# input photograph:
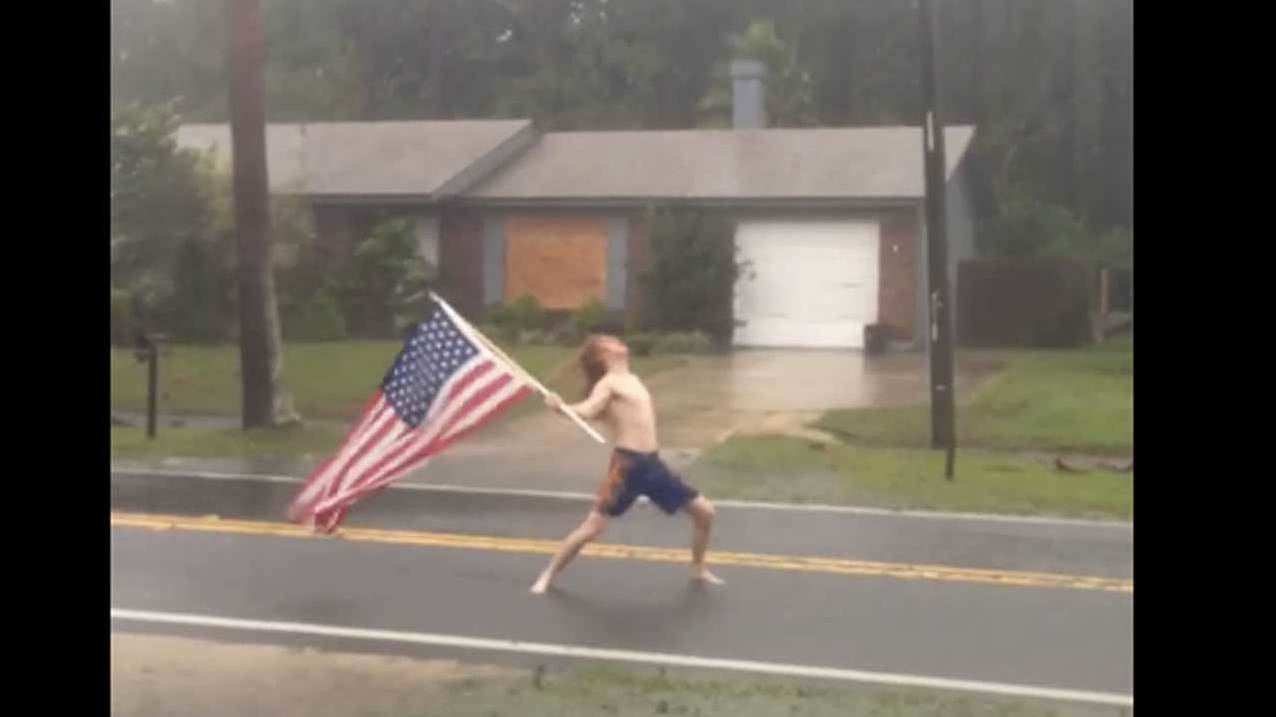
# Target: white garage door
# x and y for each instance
(806, 283)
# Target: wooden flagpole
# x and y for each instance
(477, 337)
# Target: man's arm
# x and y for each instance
(591, 407)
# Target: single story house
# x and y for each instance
(829, 221)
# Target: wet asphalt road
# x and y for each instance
(1072, 639)
(1093, 550)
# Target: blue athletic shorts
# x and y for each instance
(632, 474)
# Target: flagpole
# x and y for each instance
(477, 336)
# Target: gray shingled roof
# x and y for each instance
(381, 159)
(728, 164)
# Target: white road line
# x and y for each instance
(741, 504)
(594, 653)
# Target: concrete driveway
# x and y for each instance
(782, 390)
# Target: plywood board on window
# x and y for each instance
(560, 260)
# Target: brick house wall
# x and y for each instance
(461, 260)
(897, 273)
(639, 260)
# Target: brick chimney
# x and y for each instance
(748, 94)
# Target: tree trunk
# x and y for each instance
(265, 403)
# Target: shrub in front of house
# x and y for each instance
(318, 319)
(524, 314)
(684, 342)
(1067, 324)
(202, 304)
(528, 314)
(588, 319)
(384, 290)
(642, 344)
(692, 276)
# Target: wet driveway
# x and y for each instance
(713, 396)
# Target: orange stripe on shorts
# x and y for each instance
(615, 477)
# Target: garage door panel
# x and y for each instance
(806, 283)
(784, 333)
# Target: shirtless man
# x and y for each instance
(636, 468)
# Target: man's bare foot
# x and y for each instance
(541, 585)
(702, 574)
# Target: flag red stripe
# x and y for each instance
(328, 522)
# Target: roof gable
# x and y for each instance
(506, 161)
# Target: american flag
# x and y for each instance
(442, 386)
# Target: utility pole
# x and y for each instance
(940, 348)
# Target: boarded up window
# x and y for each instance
(560, 260)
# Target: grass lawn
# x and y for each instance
(315, 439)
(155, 675)
(1059, 401)
(765, 468)
(784, 469)
(327, 380)
(647, 691)
(330, 384)
(1047, 401)
(1044, 401)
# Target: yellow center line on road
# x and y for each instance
(837, 566)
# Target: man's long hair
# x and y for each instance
(590, 360)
